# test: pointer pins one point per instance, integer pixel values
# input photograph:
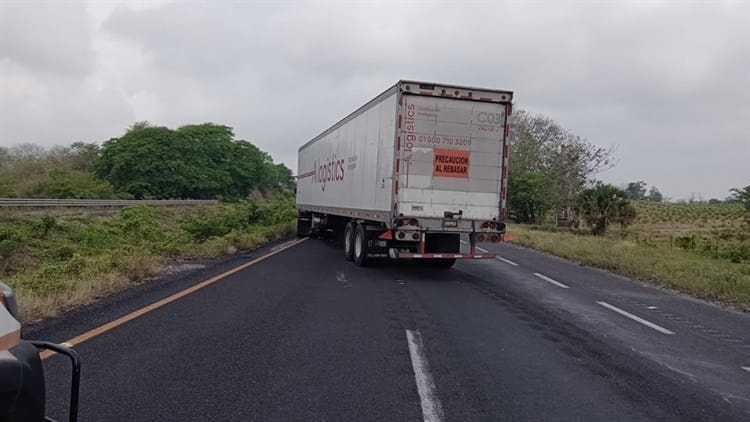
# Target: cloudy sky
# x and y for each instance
(665, 83)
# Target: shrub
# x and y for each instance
(139, 221)
(686, 242)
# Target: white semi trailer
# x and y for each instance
(406, 174)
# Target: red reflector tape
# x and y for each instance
(387, 235)
(443, 256)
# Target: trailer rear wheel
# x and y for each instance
(360, 246)
(349, 241)
(304, 224)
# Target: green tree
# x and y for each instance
(529, 197)
(742, 195)
(636, 190)
(194, 161)
(83, 155)
(5, 158)
(540, 145)
(284, 177)
(145, 162)
(603, 204)
(654, 195)
(66, 183)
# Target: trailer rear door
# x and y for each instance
(450, 157)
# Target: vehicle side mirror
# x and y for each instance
(22, 388)
(8, 299)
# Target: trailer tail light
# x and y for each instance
(409, 222)
(415, 236)
(401, 235)
(495, 238)
(480, 238)
(489, 225)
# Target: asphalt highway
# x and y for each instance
(305, 335)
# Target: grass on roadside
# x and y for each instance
(55, 263)
(698, 275)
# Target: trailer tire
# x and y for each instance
(304, 224)
(360, 245)
(349, 241)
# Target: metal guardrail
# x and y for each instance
(40, 203)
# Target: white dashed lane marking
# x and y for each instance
(432, 410)
(636, 318)
(507, 261)
(551, 281)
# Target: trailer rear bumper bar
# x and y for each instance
(409, 255)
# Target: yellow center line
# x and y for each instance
(158, 304)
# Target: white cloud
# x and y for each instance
(49, 37)
(667, 83)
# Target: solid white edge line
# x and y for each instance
(549, 280)
(432, 410)
(636, 318)
(482, 250)
(747, 368)
(507, 261)
(464, 242)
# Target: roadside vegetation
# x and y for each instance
(58, 261)
(147, 162)
(707, 257)
(700, 248)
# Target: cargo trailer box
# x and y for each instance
(419, 161)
